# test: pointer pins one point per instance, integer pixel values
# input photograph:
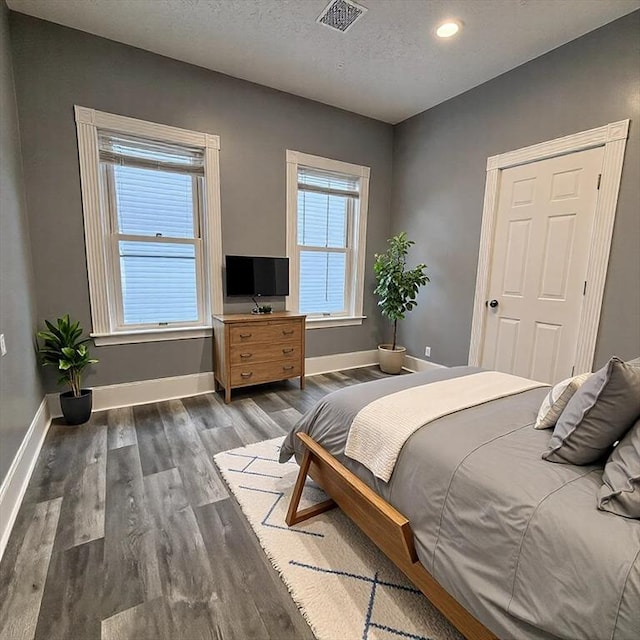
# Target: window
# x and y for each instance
(153, 244)
(153, 196)
(327, 211)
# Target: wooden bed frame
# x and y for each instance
(381, 522)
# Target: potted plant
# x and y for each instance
(397, 288)
(63, 347)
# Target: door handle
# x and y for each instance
(246, 355)
(491, 303)
(289, 350)
(245, 335)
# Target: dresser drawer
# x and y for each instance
(253, 332)
(264, 372)
(265, 352)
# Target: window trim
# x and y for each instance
(359, 237)
(105, 329)
(152, 335)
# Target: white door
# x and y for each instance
(537, 277)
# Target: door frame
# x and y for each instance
(613, 137)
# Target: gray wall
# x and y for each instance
(57, 67)
(439, 173)
(20, 392)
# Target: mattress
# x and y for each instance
(517, 540)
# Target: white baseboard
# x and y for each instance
(15, 482)
(340, 362)
(127, 394)
(414, 364)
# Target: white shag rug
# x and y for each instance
(344, 586)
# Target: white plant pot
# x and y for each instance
(391, 360)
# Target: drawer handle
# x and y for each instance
(246, 374)
(289, 350)
(245, 335)
(287, 368)
(246, 355)
(287, 332)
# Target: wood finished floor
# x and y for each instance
(128, 532)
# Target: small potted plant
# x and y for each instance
(63, 347)
(397, 289)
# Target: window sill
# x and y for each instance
(336, 321)
(151, 335)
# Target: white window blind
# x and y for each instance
(154, 200)
(326, 207)
(138, 152)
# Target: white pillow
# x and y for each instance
(556, 400)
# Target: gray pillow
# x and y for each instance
(620, 492)
(597, 415)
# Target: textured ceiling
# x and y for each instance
(389, 65)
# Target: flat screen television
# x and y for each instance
(253, 276)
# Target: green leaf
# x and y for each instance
(51, 327)
(396, 287)
(63, 346)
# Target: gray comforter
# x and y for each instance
(516, 540)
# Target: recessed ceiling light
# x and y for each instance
(448, 29)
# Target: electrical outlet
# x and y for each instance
(3, 346)
(427, 352)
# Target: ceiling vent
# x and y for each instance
(341, 15)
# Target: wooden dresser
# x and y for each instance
(256, 348)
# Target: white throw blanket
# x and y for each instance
(380, 429)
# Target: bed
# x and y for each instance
(504, 543)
